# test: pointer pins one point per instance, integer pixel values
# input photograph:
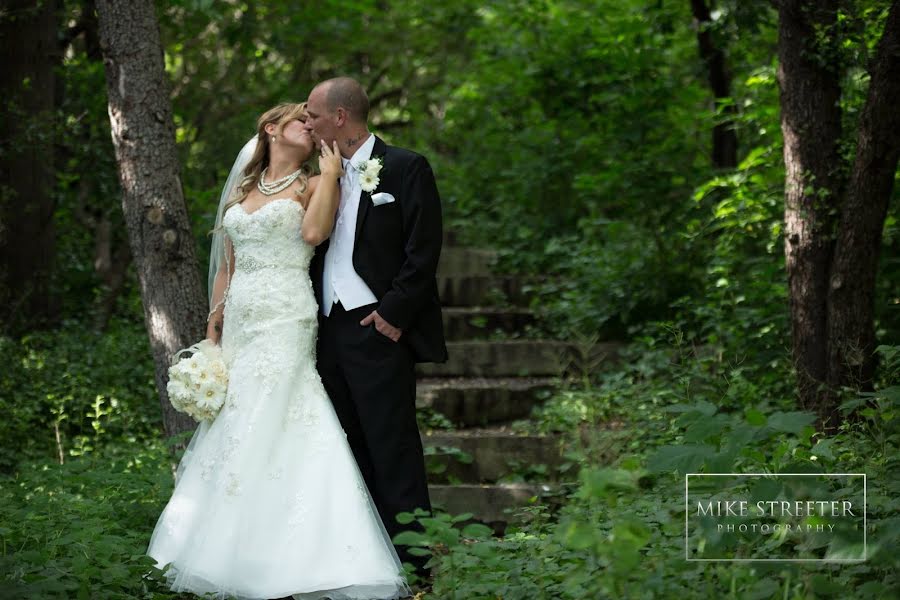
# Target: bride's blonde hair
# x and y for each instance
(280, 115)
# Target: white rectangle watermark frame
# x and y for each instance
(687, 557)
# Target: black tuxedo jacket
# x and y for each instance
(397, 248)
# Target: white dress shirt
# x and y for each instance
(340, 281)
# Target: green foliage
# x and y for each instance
(70, 391)
(80, 530)
(228, 63)
(574, 136)
(586, 139)
(574, 157)
(439, 458)
(88, 218)
(571, 134)
(429, 419)
(620, 533)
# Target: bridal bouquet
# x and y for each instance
(197, 383)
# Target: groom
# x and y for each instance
(379, 310)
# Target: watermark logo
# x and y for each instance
(792, 517)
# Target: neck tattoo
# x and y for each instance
(354, 141)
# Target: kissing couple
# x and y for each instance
(323, 298)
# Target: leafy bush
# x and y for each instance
(80, 530)
(579, 171)
(66, 392)
(621, 531)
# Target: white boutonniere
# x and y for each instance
(368, 174)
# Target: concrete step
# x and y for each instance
(480, 290)
(490, 504)
(534, 358)
(470, 322)
(500, 359)
(489, 455)
(460, 261)
(470, 402)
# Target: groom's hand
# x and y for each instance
(383, 327)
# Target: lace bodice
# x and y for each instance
(270, 286)
(268, 237)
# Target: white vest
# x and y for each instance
(340, 281)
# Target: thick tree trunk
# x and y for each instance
(724, 139)
(27, 239)
(851, 298)
(156, 217)
(811, 126)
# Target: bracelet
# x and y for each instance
(214, 309)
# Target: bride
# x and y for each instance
(268, 500)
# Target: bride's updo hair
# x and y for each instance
(280, 115)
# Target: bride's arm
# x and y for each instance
(216, 320)
(325, 197)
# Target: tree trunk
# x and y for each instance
(833, 235)
(724, 139)
(811, 126)
(27, 238)
(162, 244)
(851, 298)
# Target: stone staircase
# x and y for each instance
(489, 380)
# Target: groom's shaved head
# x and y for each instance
(346, 92)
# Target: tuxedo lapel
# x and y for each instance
(365, 198)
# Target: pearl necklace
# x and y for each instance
(279, 184)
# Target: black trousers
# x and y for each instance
(372, 384)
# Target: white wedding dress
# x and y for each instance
(268, 500)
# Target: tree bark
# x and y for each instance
(724, 138)
(156, 217)
(27, 236)
(833, 228)
(811, 127)
(851, 294)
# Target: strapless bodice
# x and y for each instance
(269, 237)
(270, 289)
